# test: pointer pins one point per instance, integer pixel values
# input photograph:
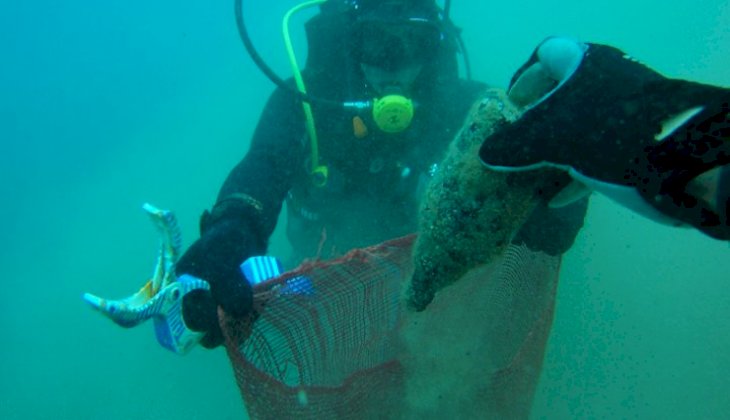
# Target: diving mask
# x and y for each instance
(396, 45)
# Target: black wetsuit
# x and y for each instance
(374, 182)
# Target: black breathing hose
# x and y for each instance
(278, 81)
(457, 34)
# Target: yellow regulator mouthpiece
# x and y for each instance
(393, 113)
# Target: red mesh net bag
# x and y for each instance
(333, 339)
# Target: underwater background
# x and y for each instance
(106, 105)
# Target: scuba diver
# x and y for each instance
(356, 171)
(351, 176)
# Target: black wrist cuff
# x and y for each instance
(235, 207)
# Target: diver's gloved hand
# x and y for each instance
(552, 230)
(216, 257)
(620, 128)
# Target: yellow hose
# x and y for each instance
(318, 172)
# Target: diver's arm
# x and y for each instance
(244, 216)
(266, 173)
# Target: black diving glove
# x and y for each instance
(227, 239)
(552, 230)
(655, 145)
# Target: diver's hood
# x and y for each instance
(620, 128)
